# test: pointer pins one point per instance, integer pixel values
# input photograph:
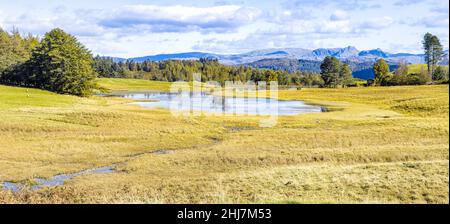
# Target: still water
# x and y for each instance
(203, 102)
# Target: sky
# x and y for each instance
(132, 28)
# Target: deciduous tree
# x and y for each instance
(381, 70)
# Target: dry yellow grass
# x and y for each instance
(378, 144)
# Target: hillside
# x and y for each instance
(361, 69)
(419, 67)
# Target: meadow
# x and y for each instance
(375, 145)
(417, 68)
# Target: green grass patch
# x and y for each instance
(417, 68)
(15, 97)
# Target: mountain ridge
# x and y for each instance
(299, 59)
(348, 52)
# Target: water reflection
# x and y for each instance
(203, 102)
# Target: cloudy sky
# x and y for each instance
(131, 28)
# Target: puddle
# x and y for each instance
(10, 186)
(162, 152)
(240, 128)
(57, 180)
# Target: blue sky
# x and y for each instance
(131, 28)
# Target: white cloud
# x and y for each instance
(138, 18)
(377, 23)
(29, 23)
(327, 27)
(287, 15)
(36, 23)
(342, 26)
(408, 2)
(340, 4)
(1, 19)
(180, 18)
(440, 10)
(339, 15)
(135, 30)
(433, 21)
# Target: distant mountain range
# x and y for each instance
(299, 59)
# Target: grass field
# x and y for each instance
(417, 68)
(132, 84)
(378, 144)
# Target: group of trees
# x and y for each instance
(60, 63)
(210, 70)
(433, 51)
(57, 63)
(335, 73)
(15, 49)
(401, 76)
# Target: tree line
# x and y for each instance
(210, 70)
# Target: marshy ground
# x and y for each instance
(377, 144)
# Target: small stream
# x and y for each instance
(186, 101)
(57, 180)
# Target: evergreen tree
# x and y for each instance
(62, 64)
(440, 74)
(433, 51)
(14, 49)
(346, 75)
(330, 71)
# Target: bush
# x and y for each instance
(440, 74)
(418, 79)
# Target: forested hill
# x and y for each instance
(286, 64)
(362, 70)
